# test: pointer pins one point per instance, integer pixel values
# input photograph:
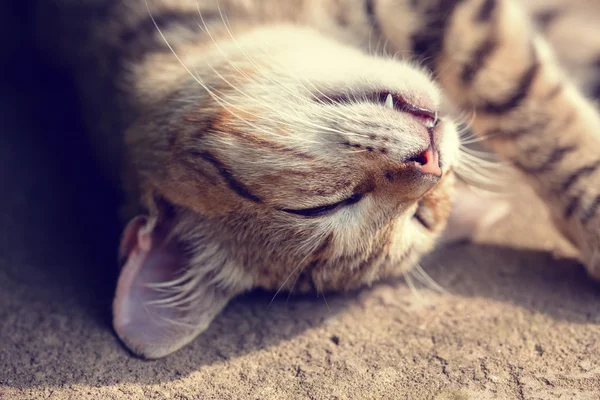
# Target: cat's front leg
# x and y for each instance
(490, 62)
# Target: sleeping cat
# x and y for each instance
(313, 145)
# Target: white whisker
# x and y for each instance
(411, 285)
(287, 279)
(206, 87)
(427, 280)
(325, 300)
(294, 94)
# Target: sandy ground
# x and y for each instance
(520, 319)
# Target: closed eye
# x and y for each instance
(390, 100)
(326, 209)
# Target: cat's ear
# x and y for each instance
(471, 214)
(158, 308)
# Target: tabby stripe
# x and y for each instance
(546, 18)
(486, 11)
(211, 126)
(480, 55)
(591, 210)
(265, 143)
(226, 174)
(572, 206)
(371, 13)
(522, 88)
(512, 134)
(370, 9)
(486, 48)
(554, 158)
(541, 126)
(428, 42)
(578, 174)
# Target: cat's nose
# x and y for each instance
(428, 162)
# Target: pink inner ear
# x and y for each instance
(129, 238)
(151, 255)
(148, 259)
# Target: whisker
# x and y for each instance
(427, 280)
(411, 285)
(325, 300)
(481, 174)
(251, 60)
(329, 112)
(333, 111)
(206, 87)
(385, 43)
(267, 76)
(291, 291)
(287, 279)
(476, 157)
(230, 62)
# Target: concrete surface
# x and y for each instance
(520, 321)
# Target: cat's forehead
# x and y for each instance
(367, 74)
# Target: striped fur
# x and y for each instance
(225, 117)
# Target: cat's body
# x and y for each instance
(262, 144)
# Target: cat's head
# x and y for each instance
(305, 167)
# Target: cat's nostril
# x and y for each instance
(420, 159)
(428, 162)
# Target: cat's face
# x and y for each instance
(315, 169)
(324, 169)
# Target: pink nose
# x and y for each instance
(428, 162)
